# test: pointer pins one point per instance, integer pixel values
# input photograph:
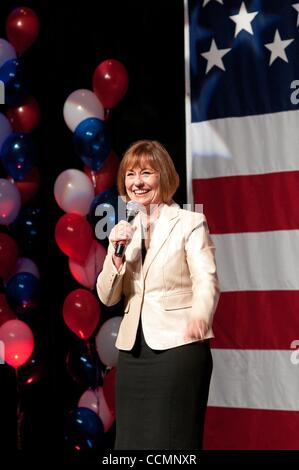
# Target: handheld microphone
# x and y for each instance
(132, 211)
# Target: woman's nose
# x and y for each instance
(138, 180)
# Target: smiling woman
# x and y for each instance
(147, 176)
(143, 185)
(169, 282)
(147, 166)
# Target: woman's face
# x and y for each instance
(143, 185)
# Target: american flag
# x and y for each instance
(242, 95)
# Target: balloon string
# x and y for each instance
(91, 354)
(88, 345)
(20, 413)
(93, 178)
(107, 114)
(98, 402)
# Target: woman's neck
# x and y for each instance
(151, 212)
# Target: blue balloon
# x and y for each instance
(92, 142)
(84, 431)
(11, 76)
(84, 366)
(18, 155)
(110, 209)
(22, 291)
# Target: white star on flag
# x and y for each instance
(277, 48)
(214, 56)
(205, 2)
(296, 6)
(243, 20)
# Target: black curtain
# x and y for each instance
(148, 37)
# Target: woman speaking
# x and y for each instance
(167, 276)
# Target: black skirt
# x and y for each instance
(161, 396)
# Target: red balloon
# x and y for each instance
(109, 389)
(86, 273)
(29, 186)
(110, 82)
(25, 116)
(8, 255)
(5, 311)
(22, 28)
(73, 235)
(18, 342)
(104, 178)
(81, 312)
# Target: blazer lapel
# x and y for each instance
(164, 225)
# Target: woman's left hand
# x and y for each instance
(196, 329)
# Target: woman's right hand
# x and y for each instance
(121, 233)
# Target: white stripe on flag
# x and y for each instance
(259, 379)
(258, 260)
(245, 145)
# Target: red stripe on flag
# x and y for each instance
(256, 320)
(250, 429)
(252, 203)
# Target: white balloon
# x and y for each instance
(96, 402)
(89, 399)
(5, 129)
(26, 265)
(80, 105)
(10, 202)
(7, 51)
(105, 341)
(74, 191)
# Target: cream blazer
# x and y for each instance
(176, 283)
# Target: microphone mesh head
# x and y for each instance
(132, 207)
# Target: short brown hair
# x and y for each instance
(153, 153)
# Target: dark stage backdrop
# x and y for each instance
(148, 37)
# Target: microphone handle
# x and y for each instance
(120, 250)
(120, 247)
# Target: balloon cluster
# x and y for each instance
(19, 274)
(78, 193)
(20, 224)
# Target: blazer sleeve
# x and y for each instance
(200, 252)
(110, 281)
